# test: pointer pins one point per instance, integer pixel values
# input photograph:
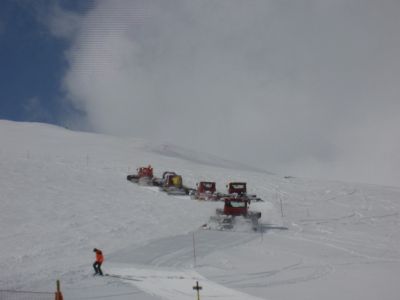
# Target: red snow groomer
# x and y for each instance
(206, 190)
(236, 210)
(144, 176)
(240, 189)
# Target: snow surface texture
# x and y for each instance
(62, 193)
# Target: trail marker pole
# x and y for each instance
(194, 251)
(197, 288)
(281, 206)
(58, 295)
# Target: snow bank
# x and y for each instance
(62, 193)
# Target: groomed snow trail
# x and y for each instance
(176, 285)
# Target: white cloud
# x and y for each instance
(63, 23)
(288, 86)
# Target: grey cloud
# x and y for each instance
(289, 86)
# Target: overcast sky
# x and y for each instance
(307, 87)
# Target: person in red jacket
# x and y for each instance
(98, 262)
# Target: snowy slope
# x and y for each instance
(62, 193)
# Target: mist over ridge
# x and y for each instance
(306, 88)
